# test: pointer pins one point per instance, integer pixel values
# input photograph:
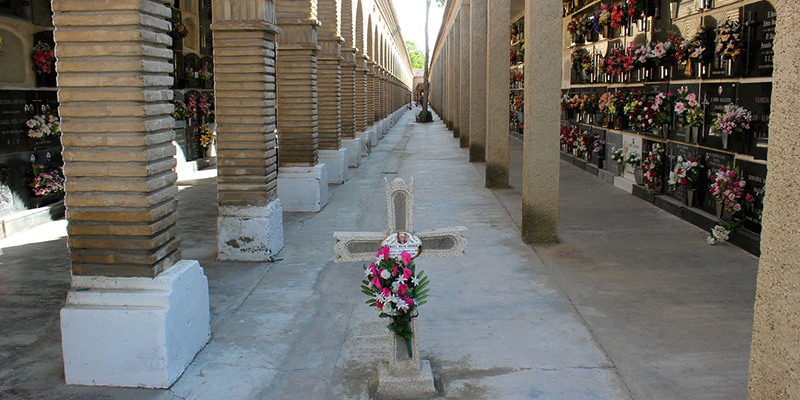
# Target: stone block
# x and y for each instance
(250, 233)
(354, 147)
(303, 189)
(135, 332)
(336, 163)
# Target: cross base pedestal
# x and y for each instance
(393, 383)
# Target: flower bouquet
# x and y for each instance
(206, 137)
(663, 109)
(180, 30)
(729, 191)
(618, 155)
(598, 150)
(181, 111)
(685, 174)
(689, 112)
(47, 182)
(652, 166)
(697, 51)
(582, 63)
(43, 125)
(396, 289)
(729, 41)
(44, 58)
(732, 119)
(634, 161)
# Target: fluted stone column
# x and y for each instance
(541, 154)
(362, 103)
(250, 223)
(372, 86)
(302, 179)
(477, 68)
(349, 110)
(775, 351)
(465, 76)
(136, 314)
(497, 93)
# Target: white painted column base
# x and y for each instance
(250, 233)
(135, 332)
(336, 162)
(303, 189)
(354, 149)
(366, 144)
(375, 134)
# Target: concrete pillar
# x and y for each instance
(477, 69)
(497, 93)
(302, 179)
(250, 222)
(540, 152)
(457, 67)
(349, 109)
(775, 350)
(113, 67)
(329, 84)
(464, 80)
(362, 100)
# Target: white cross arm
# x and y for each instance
(445, 242)
(362, 246)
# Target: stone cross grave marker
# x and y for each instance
(402, 376)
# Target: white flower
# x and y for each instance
(402, 305)
(415, 280)
(710, 240)
(395, 286)
(385, 274)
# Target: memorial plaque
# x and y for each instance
(716, 96)
(756, 97)
(759, 29)
(16, 107)
(710, 162)
(662, 25)
(631, 145)
(45, 103)
(756, 176)
(672, 152)
(12, 51)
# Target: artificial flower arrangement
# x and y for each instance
(582, 143)
(663, 108)
(652, 165)
(180, 30)
(519, 100)
(205, 73)
(582, 61)
(634, 106)
(619, 15)
(397, 290)
(729, 190)
(729, 41)
(47, 182)
(202, 105)
(633, 160)
(42, 125)
(699, 47)
(732, 119)
(517, 79)
(598, 145)
(685, 173)
(603, 17)
(206, 136)
(181, 111)
(688, 109)
(618, 155)
(44, 58)
(567, 137)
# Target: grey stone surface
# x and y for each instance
(618, 310)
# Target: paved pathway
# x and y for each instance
(630, 304)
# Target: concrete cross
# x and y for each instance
(402, 376)
(362, 246)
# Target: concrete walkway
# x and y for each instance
(631, 304)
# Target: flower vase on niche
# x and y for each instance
(606, 32)
(665, 130)
(638, 174)
(725, 140)
(695, 133)
(719, 210)
(688, 70)
(689, 197)
(674, 8)
(621, 169)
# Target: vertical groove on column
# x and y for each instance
(349, 99)
(119, 158)
(362, 98)
(330, 100)
(497, 94)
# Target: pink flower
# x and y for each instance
(379, 305)
(409, 301)
(737, 207)
(401, 289)
(406, 257)
(749, 198)
(386, 292)
(376, 282)
(372, 269)
(742, 183)
(383, 253)
(407, 273)
(732, 196)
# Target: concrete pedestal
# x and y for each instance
(134, 332)
(354, 149)
(374, 135)
(250, 233)
(303, 189)
(337, 163)
(404, 377)
(366, 143)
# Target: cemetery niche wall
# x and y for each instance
(690, 79)
(30, 146)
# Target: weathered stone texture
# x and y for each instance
(362, 99)
(497, 94)
(477, 112)
(464, 80)
(775, 351)
(541, 154)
